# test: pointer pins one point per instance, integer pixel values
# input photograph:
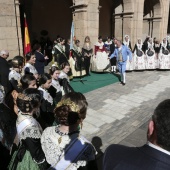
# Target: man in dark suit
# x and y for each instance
(4, 70)
(155, 155)
(41, 60)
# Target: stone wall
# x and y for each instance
(10, 32)
(90, 19)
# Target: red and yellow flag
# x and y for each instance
(27, 45)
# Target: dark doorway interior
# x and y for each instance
(54, 16)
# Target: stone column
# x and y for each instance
(86, 19)
(93, 20)
(128, 19)
(137, 27)
(165, 4)
(10, 32)
(80, 19)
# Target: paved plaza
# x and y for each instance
(120, 114)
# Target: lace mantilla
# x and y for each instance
(33, 130)
(56, 85)
(15, 75)
(54, 150)
(63, 75)
(46, 95)
(32, 68)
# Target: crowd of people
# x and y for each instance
(41, 115)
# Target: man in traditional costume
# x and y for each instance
(121, 53)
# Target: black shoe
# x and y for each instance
(123, 84)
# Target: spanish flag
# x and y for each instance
(27, 45)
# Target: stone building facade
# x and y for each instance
(137, 18)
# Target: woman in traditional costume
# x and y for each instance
(87, 52)
(14, 79)
(29, 154)
(28, 81)
(139, 56)
(55, 88)
(59, 53)
(77, 63)
(164, 57)
(64, 79)
(47, 106)
(157, 49)
(107, 44)
(7, 130)
(100, 60)
(15, 73)
(63, 145)
(29, 66)
(151, 61)
(126, 42)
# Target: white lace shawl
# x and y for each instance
(139, 45)
(34, 130)
(126, 42)
(46, 95)
(164, 44)
(56, 85)
(63, 75)
(53, 150)
(108, 43)
(100, 45)
(15, 75)
(32, 68)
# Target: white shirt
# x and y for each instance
(158, 148)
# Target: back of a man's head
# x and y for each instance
(4, 52)
(161, 119)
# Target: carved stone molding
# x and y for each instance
(79, 8)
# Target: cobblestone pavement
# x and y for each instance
(120, 114)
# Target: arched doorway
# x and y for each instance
(106, 27)
(152, 18)
(115, 18)
(53, 16)
(108, 20)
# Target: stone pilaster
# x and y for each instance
(86, 19)
(10, 32)
(93, 20)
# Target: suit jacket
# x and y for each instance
(40, 62)
(4, 73)
(125, 52)
(118, 157)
